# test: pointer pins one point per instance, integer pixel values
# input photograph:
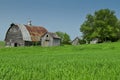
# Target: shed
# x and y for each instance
(24, 35)
(76, 41)
(94, 41)
(50, 39)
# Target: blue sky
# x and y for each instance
(54, 15)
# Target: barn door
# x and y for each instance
(15, 44)
(46, 43)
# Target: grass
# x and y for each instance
(84, 62)
(2, 44)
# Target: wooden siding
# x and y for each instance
(48, 40)
(56, 42)
(76, 41)
(14, 37)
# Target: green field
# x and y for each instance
(2, 44)
(84, 62)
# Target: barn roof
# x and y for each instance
(36, 32)
(54, 35)
(77, 38)
(29, 32)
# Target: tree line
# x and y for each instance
(65, 38)
(103, 25)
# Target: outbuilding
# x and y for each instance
(76, 41)
(50, 39)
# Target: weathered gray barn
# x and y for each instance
(27, 35)
(24, 35)
(50, 39)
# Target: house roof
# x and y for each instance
(29, 32)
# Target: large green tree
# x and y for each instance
(65, 38)
(103, 24)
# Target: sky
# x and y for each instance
(55, 15)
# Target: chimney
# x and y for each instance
(29, 23)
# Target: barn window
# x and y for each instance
(47, 38)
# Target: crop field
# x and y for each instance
(83, 62)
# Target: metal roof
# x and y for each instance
(25, 34)
(36, 32)
(29, 32)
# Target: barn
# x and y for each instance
(29, 35)
(76, 41)
(50, 39)
(24, 35)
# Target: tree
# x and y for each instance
(118, 29)
(103, 25)
(65, 38)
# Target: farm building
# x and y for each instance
(94, 41)
(50, 39)
(24, 35)
(76, 41)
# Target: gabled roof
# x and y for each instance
(77, 38)
(54, 35)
